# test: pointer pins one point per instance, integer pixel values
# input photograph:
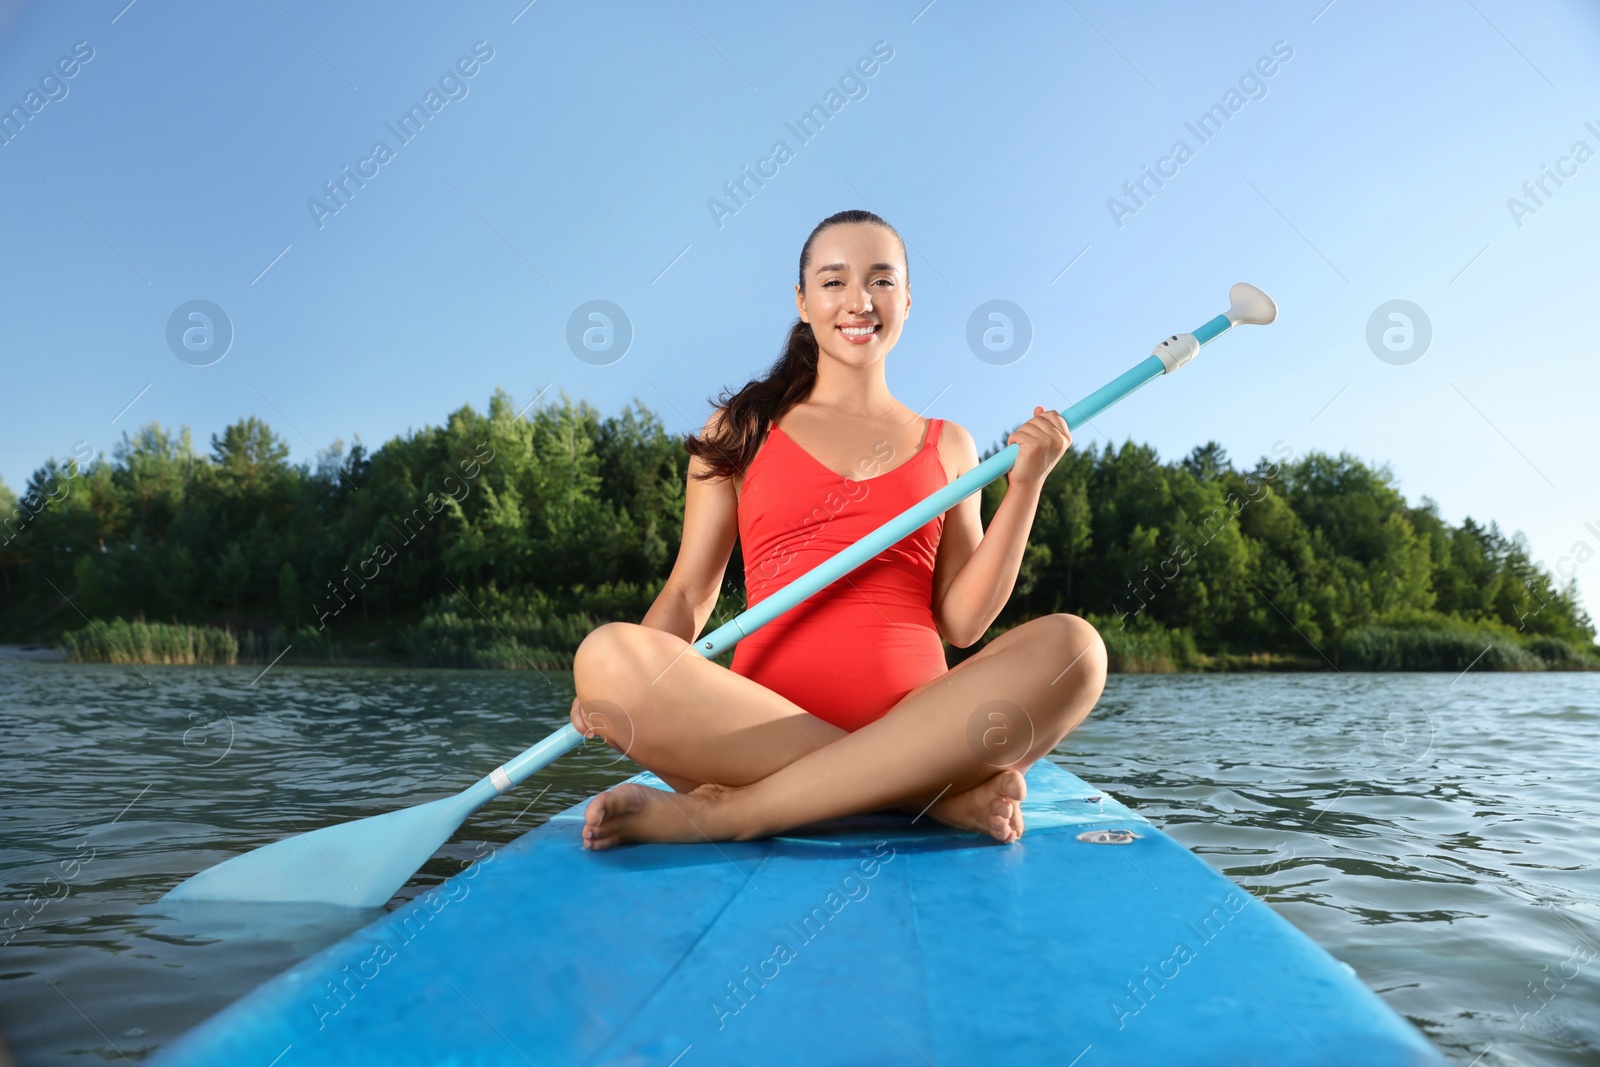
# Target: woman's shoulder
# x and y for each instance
(717, 424)
(712, 441)
(715, 421)
(957, 448)
(954, 440)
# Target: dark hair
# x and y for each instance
(762, 401)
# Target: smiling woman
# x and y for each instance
(731, 443)
(845, 703)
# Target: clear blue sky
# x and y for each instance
(1374, 164)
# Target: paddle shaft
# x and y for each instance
(383, 851)
(716, 642)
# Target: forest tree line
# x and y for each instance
(500, 539)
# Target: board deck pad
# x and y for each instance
(866, 940)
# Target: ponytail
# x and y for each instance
(748, 413)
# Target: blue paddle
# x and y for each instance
(363, 863)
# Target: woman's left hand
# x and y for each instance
(1044, 439)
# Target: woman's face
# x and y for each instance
(856, 277)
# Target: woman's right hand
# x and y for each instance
(1041, 441)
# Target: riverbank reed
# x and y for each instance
(120, 641)
(138, 641)
(1422, 642)
(506, 639)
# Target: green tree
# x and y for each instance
(291, 599)
(539, 522)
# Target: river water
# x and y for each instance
(1440, 834)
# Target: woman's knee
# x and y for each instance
(597, 654)
(1072, 672)
(619, 657)
(594, 653)
(601, 674)
(1070, 644)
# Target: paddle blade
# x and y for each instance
(357, 864)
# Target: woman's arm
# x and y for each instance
(976, 570)
(710, 525)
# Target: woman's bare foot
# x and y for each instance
(633, 812)
(993, 807)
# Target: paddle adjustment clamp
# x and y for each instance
(1176, 350)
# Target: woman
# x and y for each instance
(844, 704)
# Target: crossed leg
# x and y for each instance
(693, 722)
(765, 765)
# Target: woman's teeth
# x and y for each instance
(862, 331)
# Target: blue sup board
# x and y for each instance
(1096, 939)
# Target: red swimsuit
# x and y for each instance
(849, 652)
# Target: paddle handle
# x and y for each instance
(1248, 304)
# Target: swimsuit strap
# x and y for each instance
(934, 428)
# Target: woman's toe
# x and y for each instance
(1000, 818)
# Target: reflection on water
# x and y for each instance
(1438, 835)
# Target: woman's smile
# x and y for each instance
(860, 334)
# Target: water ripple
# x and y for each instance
(1437, 834)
